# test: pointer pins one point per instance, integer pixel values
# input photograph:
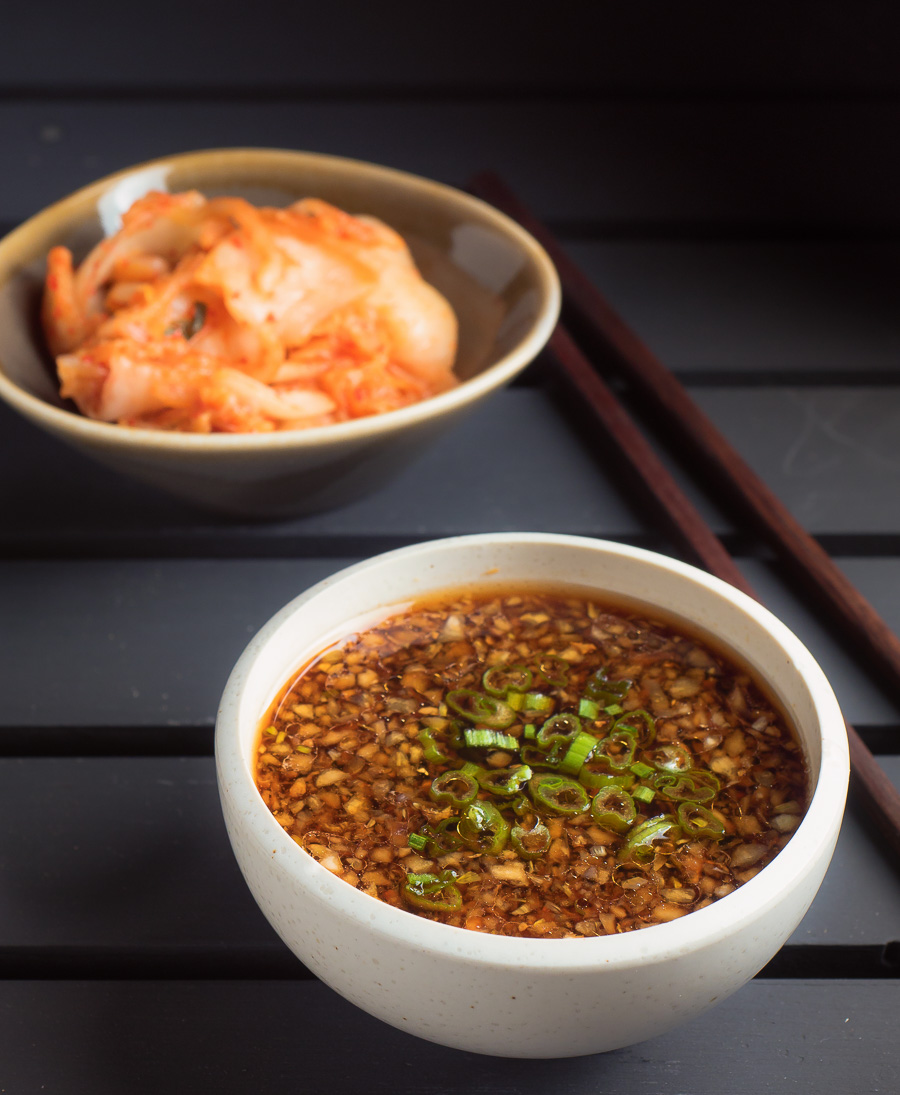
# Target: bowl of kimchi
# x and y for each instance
(265, 332)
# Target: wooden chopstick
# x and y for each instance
(876, 793)
(695, 433)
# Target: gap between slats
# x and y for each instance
(209, 963)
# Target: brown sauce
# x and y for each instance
(532, 763)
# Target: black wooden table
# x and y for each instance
(741, 210)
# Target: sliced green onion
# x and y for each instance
(542, 758)
(489, 739)
(432, 892)
(554, 670)
(530, 843)
(696, 820)
(529, 732)
(683, 787)
(672, 757)
(703, 778)
(578, 753)
(613, 709)
(641, 770)
(273, 730)
(434, 750)
(559, 794)
(613, 809)
(537, 701)
(443, 837)
(641, 839)
(483, 828)
(617, 750)
(500, 679)
(644, 794)
(589, 709)
(596, 781)
(485, 710)
(457, 787)
(599, 687)
(505, 782)
(522, 805)
(515, 700)
(637, 721)
(560, 728)
(418, 842)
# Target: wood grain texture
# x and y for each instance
(832, 455)
(144, 643)
(102, 1038)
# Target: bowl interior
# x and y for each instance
(735, 623)
(493, 275)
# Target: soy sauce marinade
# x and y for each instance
(532, 763)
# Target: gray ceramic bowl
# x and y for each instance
(499, 281)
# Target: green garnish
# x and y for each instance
(643, 794)
(562, 729)
(696, 820)
(617, 750)
(432, 892)
(485, 710)
(505, 782)
(613, 809)
(489, 739)
(641, 839)
(537, 701)
(554, 670)
(589, 709)
(641, 770)
(530, 843)
(578, 753)
(559, 794)
(435, 753)
(456, 787)
(501, 679)
(483, 828)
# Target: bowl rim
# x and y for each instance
(813, 839)
(14, 253)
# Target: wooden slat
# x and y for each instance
(140, 643)
(133, 858)
(511, 455)
(636, 166)
(103, 1038)
(339, 45)
(737, 309)
(831, 454)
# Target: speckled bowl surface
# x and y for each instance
(499, 281)
(526, 997)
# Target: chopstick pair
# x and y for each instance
(697, 434)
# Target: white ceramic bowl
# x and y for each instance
(499, 280)
(527, 997)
